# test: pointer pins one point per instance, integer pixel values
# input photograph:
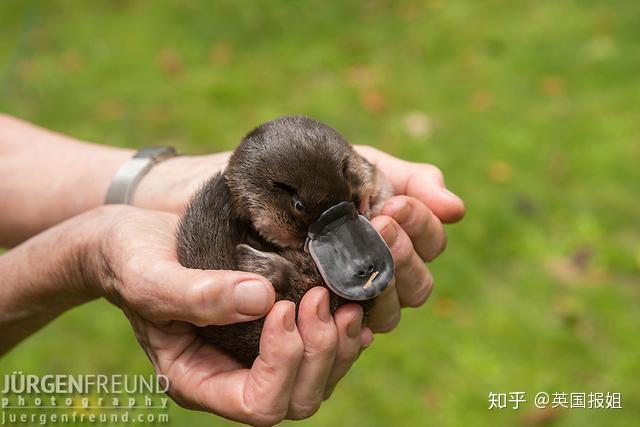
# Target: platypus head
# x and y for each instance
(287, 172)
(300, 184)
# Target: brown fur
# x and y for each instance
(246, 218)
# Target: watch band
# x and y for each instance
(126, 179)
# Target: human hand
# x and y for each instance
(299, 364)
(411, 222)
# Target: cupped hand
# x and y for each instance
(299, 362)
(411, 222)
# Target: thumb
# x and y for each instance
(201, 297)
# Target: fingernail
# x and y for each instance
(323, 308)
(289, 319)
(353, 330)
(402, 215)
(251, 297)
(389, 234)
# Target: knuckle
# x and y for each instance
(300, 411)
(403, 254)
(390, 325)
(291, 351)
(321, 343)
(431, 253)
(264, 419)
(256, 411)
(203, 296)
(443, 244)
(421, 293)
(435, 173)
(381, 222)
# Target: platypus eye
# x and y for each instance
(298, 204)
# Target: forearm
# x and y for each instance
(48, 177)
(45, 276)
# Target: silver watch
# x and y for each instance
(126, 179)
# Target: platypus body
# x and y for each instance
(255, 215)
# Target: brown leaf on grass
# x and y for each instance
(38, 39)
(581, 258)
(540, 416)
(158, 115)
(500, 171)
(111, 109)
(71, 61)
(170, 62)
(362, 75)
(568, 309)
(431, 399)
(552, 86)
(562, 270)
(221, 53)
(29, 70)
(577, 267)
(373, 101)
(407, 10)
(417, 124)
(481, 100)
(445, 307)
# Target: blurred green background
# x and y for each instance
(531, 109)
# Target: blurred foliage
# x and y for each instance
(531, 109)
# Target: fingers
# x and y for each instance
(288, 379)
(413, 280)
(348, 319)
(423, 227)
(259, 396)
(385, 313)
(423, 181)
(320, 338)
(273, 374)
(202, 297)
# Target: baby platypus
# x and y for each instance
(290, 187)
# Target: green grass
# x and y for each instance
(533, 113)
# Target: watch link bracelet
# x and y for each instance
(126, 179)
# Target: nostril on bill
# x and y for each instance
(370, 268)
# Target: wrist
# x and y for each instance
(94, 272)
(169, 185)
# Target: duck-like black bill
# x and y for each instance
(353, 259)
